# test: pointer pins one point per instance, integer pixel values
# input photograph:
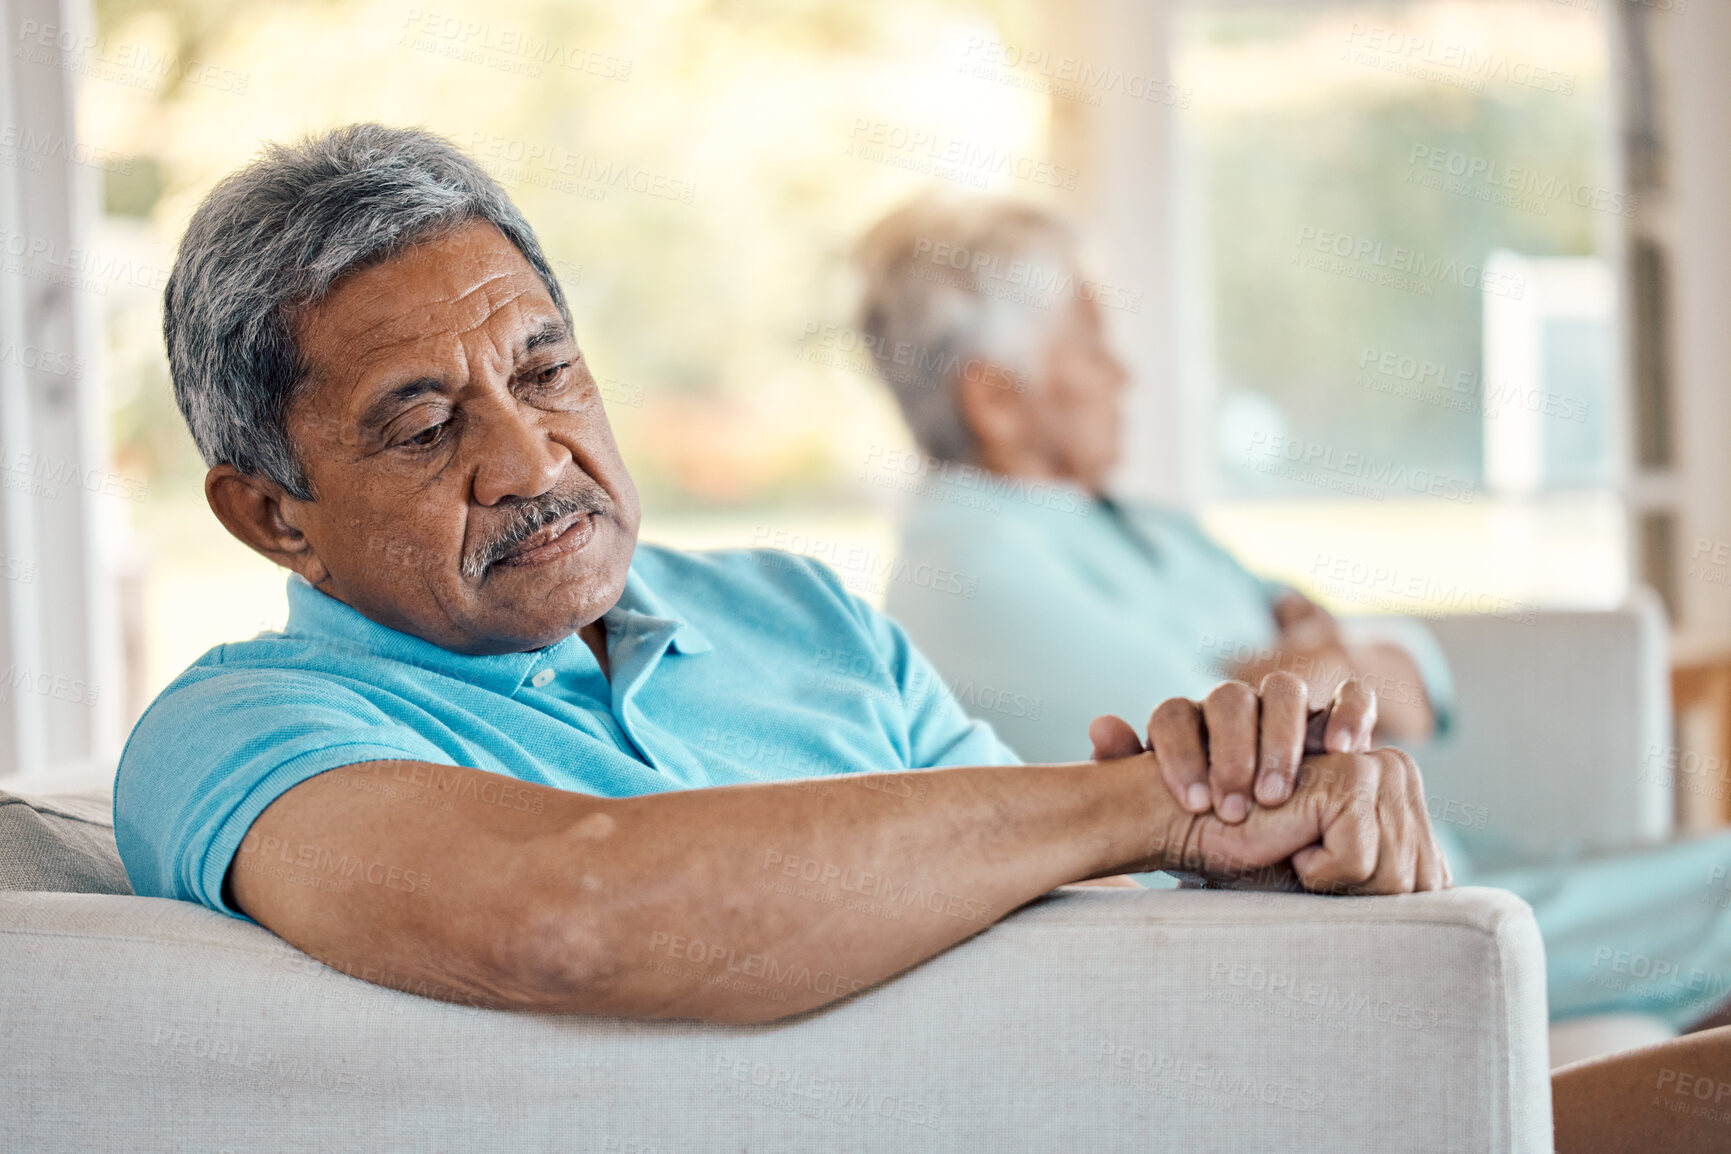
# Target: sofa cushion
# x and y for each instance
(63, 843)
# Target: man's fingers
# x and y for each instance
(1351, 719)
(1175, 736)
(1230, 714)
(1433, 867)
(1280, 743)
(1351, 834)
(1403, 831)
(1113, 737)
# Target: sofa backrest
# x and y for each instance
(63, 843)
(1561, 721)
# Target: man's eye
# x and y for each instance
(428, 437)
(551, 374)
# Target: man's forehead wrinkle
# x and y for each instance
(428, 343)
(456, 314)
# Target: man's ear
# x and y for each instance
(994, 404)
(264, 517)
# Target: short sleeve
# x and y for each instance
(216, 749)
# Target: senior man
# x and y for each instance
(477, 763)
(495, 754)
(1082, 599)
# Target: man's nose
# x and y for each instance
(516, 457)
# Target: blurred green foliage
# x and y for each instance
(1330, 145)
(691, 301)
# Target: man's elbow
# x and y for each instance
(563, 962)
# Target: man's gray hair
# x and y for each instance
(952, 285)
(272, 239)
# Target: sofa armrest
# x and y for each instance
(1097, 1019)
(1561, 722)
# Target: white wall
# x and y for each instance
(1698, 95)
(59, 644)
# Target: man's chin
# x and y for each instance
(517, 609)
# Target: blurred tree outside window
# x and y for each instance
(1367, 190)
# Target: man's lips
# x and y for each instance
(566, 535)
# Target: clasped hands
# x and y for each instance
(1262, 783)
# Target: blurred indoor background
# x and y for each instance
(1421, 296)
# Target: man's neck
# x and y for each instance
(594, 635)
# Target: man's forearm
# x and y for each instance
(753, 902)
(739, 903)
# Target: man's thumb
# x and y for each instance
(1113, 737)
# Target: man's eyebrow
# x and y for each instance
(548, 332)
(387, 404)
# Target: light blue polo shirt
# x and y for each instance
(728, 667)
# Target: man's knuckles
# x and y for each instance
(1282, 685)
(1175, 714)
(1230, 699)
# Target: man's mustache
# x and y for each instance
(528, 517)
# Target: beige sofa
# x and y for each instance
(1093, 1020)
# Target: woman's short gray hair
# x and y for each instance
(271, 240)
(953, 284)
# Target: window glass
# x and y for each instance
(1396, 305)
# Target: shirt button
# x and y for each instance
(541, 679)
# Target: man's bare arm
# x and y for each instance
(739, 903)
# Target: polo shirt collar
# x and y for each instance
(639, 610)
